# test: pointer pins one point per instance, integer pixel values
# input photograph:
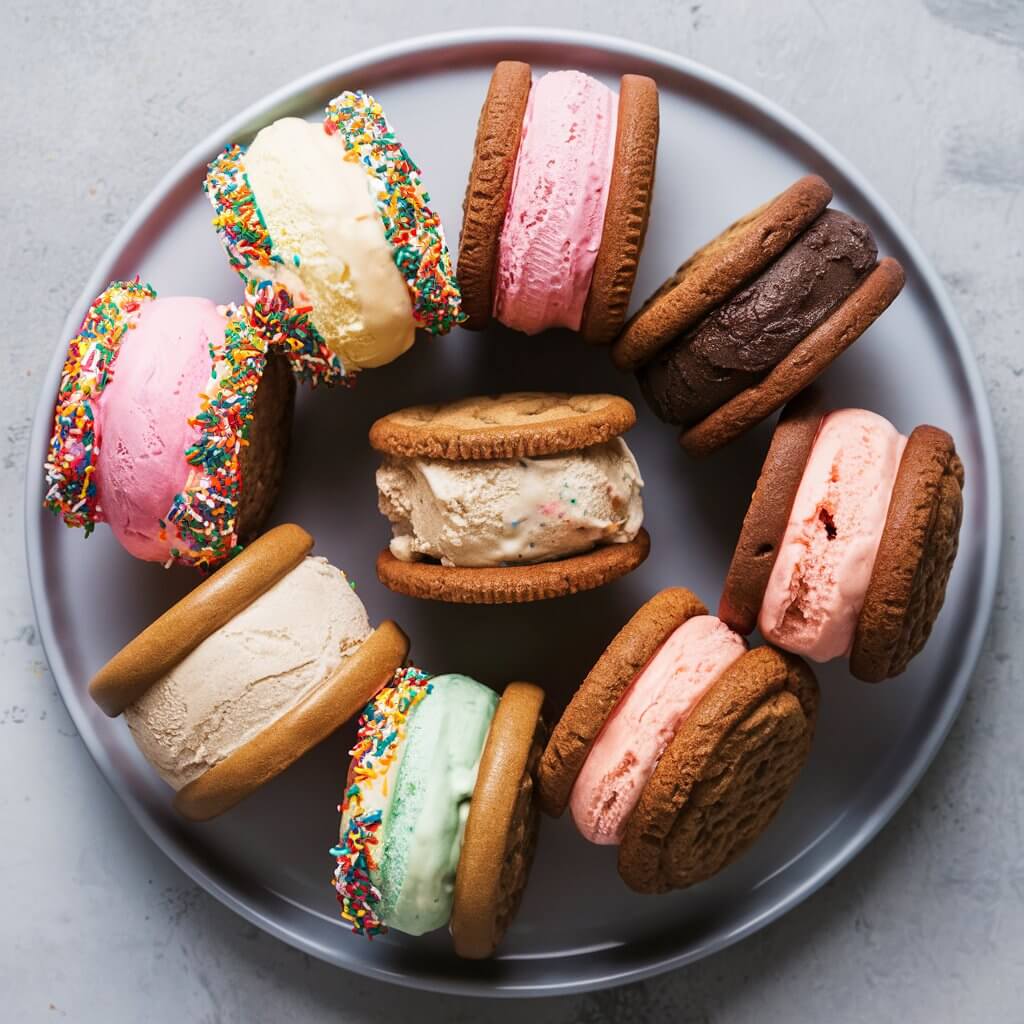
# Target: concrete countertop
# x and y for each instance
(924, 96)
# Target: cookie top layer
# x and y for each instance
(718, 269)
(804, 364)
(914, 559)
(725, 774)
(606, 683)
(513, 584)
(498, 135)
(501, 830)
(627, 211)
(217, 600)
(764, 525)
(516, 425)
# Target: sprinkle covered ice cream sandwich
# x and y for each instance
(263, 660)
(509, 498)
(557, 203)
(681, 745)
(171, 425)
(330, 227)
(849, 540)
(756, 315)
(439, 817)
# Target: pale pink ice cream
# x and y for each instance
(645, 721)
(555, 218)
(817, 587)
(142, 420)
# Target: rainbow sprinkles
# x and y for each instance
(71, 459)
(412, 229)
(381, 730)
(285, 322)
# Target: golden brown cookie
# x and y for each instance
(498, 134)
(184, 626)
(501, 829)
(627, 212)
(914, 558)
(765, 523)
(725, 774)
(796, 371)
(299, 729)
(516, 425)
(623, 659)
(512, 584)
(261, 461)
(718, 269)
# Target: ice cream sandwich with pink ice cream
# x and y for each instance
(171, 425)
(558, 200)
(849, 540)
(681, 745)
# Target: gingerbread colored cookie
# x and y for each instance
(725, 774)
(490, 182)
(802, 365)
(718, 269)
(522, 424)
(598, 694)
(627, 212)
(501, 830)
(157, 649)
(765, 522)
(513, 584)
(301, 728)
(262, 460)
(914, 559)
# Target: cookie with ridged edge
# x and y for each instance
(606, 683)
(185, 625)
(261, 462)
(914, 559)
(521, 424)
(501, 829)
(725, 774)
(512, 584)
(495, 150)
(802, 366)
(767, 516)
(627, 211)
(718, 269)
(319, 714)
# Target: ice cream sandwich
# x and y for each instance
(330, 227)
(681, 745)
(509, 498)
(557, 203)
(753, 317)
(439, 816)
(262, 661)
(849, 540)
(171, 425)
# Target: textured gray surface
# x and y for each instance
(928, 924)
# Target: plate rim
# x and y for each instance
(233, 896)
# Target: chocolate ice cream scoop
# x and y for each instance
(735, 345)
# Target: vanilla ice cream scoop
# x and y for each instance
(329, 226)
(259, 663)
(499, 512)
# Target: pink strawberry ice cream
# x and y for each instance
(142, 419)
(555, 218)
(644, 722)
(817, 587)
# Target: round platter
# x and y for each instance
(723, 150)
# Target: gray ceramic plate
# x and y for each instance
(723, 150)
